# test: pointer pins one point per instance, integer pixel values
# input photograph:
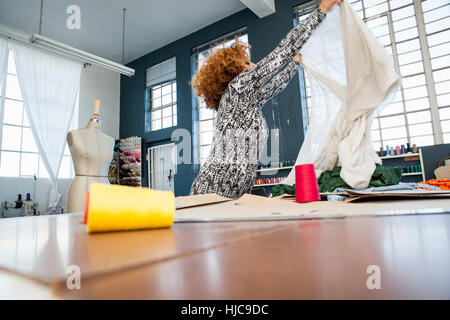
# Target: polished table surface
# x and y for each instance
(312, 259)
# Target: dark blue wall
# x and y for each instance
(263, 34)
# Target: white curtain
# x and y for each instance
(3, 55)
(49, 85)
(352, 79)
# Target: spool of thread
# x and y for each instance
(116, 208)
(306, 186)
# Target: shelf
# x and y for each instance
(274, 169)
(411, 174)
(401, 156)
(273, 184)
(266, 184)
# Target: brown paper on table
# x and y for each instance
(198, 200)
(442, 172)
(355, 195)
(251, 208)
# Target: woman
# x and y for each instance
(237, 89)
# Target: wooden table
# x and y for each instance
(315, 259)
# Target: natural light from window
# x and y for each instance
(19, 156)
(163, 99)
(416, 34)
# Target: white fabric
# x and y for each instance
(49, 85)
(3, 55)
(352, 78)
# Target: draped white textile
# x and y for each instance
(352, 79)
(3, 55)
(49, 85)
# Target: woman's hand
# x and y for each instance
(327, 5)
(298, 58)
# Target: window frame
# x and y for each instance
(173, 104)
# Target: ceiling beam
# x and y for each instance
(261, 8)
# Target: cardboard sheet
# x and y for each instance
(397, 194)
(198, 200)
(251, 207)
(354, 195)
(400, 193)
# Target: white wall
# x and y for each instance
(96, 83)
(104, 85)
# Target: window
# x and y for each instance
(301, 13)
(161, 96)
(436, 16)
(206, 116)
(19, 156)
(163, 101)
(416, 34)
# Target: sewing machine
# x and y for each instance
(27, 207)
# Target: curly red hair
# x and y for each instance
(219, 69)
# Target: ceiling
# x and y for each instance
(150, 24)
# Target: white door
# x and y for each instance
(162, 167)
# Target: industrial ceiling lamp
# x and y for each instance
(86, 57)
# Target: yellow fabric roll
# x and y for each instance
(114, 208)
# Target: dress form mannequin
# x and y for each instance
(92, 152)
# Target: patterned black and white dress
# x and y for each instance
(240, 130)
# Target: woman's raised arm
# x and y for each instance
(288, 47)
(278, 82)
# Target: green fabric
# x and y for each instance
(331, 179)
(382, 176)
(279, 189)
